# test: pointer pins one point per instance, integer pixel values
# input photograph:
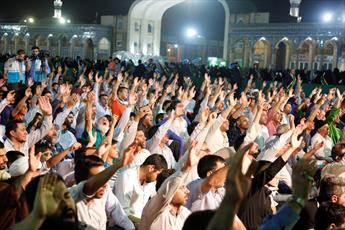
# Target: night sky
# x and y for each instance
(207, 16)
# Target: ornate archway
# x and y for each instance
(144, 25)
(284, 49)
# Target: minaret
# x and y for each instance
(57, 8)
(294, 7)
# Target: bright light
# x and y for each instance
(191, 32)
(169, 50)
(62, 20)
(68, 21)
(176, 46)
(31, 20)
(50, 35)
(327, 17)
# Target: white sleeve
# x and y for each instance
(116, 215)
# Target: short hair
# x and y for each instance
(329, 213)
(83, 166)
(338, 150)
(20, 52)
(163, 176)
(157, 160)
(42, 147)
(2, 145)
(122, 88)
(31, 190)
(198, 220)
(331, 185)
(208, 163)
(12, 125)
(103, 95)
(35, 47)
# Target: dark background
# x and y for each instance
(207, 16)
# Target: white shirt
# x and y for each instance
(179, 127)
(166, 152)
(32, 138)
(66, 139)
(217, 139)
(199, 201)
(131, 194)
(157, 214)
(169, 220)
(325, 150)
(96, 212)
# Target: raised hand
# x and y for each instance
(2, 82)
(91, 97)
(132, 99)
(302, 177)
(129, 155)
(34, 161)
(212, 118)
(11, 96)
(204, 115)
(98, 78)
(193, 157)
(30, 82)
(237, 183)
(45, 106)
(46, 204)
(119, 77)
(75, 146)
(92, 138)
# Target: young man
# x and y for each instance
(14, 71)
(208, 192)
(135, 185)
(166, 209)
(88, 195)
(18, 138)
(94, 210)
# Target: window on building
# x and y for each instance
(119, 43)
(136, 27)
(149, 28)
(135, 44)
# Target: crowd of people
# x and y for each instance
(114, 145)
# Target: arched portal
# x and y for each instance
(52, 45)
(262, 53)
(283, 52)
(76, 47)
(240, 52)
(306, 54)
(144, 25)
(41, 42)
(103, 48)
(63, 46)
(19, 43)
(88, 48)
(330, 54)
(3, 43)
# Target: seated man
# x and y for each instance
(207, 192)
(135, 186)
(165, 210)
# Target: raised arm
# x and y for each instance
(21, 103)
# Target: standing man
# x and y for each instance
(14, 71)
(38, 66)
